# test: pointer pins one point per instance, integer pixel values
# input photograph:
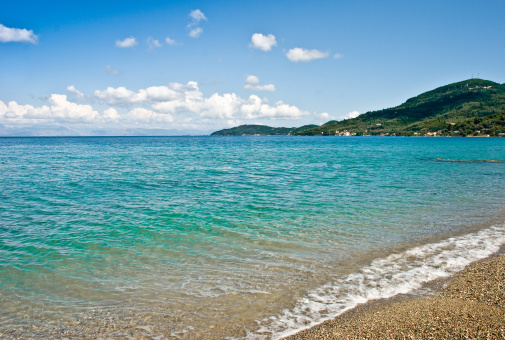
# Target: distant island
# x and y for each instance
(262, 130)
(474, 107)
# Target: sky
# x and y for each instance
(193, 67)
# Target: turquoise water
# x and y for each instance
(220, 237)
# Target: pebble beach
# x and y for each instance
(471, 305)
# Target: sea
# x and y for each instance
(251, 237)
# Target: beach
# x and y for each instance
(470, 305)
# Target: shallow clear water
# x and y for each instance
(244, 236)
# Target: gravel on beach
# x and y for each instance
(471, 306)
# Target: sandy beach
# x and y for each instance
(470, 305)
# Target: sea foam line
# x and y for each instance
(383, 278)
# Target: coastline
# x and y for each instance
(468, 304)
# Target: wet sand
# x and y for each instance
(470, 305)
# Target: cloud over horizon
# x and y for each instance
(61, 110)
(352, 114)
(170, 105)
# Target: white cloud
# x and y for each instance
(300, 54)
(8, 34)
(195, 32)
(169, 41)
(179, 98)
(325, 116)
(255, 107)
(263, 42)
(187, 98)
(282, 110)
(268, 87)
(120, 96)
(111, 71)
(13, 112)
(252, 84)
(197, 15)
(221, 106)
(61, 110)
(250, 79)
(152, 43)
(145, 115)
(352, 114)
(3, 108)
(128, 42)
(338, 56)
(75, 91)
(181, 105)
(251, 106)
(111, 114)
(161, 93)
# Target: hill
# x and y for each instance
(474, 107)
(260, 130)
(470, 107)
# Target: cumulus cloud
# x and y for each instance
(175, 104)
(128, 42)
(120, 96)
(221, 106)
(161, 93)
(179, 98)
(252, 83)
(325, 116)
(145, 115)
(300, 54)
(255, 107)
(187, 98)
(263, 42)
(8, 34)
(250, 79)
(352, 114)
(169, 41)
(75, 91)
(61, 110)
(110, 114)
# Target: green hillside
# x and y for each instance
(473, 107)
(260, 130)
(470, 107)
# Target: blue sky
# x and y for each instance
(199, 66)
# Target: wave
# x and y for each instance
(384, 278)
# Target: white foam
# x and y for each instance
(383, 278)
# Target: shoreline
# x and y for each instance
(469, 304)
